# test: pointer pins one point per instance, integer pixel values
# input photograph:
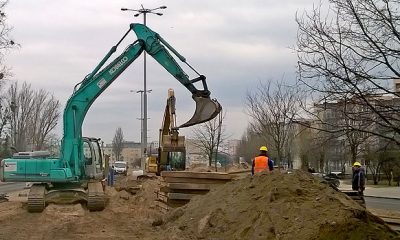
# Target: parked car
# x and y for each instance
(330, 179)
(120, 167)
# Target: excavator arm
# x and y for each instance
(86, 92)
(172, 150)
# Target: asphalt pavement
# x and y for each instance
(377, 192)
(9, 187)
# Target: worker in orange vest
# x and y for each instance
(260, 163)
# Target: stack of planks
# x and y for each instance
(180, 187)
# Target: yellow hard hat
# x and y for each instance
(357, 164)
(263, 148)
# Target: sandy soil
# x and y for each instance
(277, 206)
(126, 217)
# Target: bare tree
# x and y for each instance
(20, 103)
(249, 145)
(209, 136)
(118, 143)
(6, 44)
(34, 114)
(4, 117)
(46, 112)
(273, 107)
(351, 55)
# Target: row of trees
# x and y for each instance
(348, 58)
(6, 43)
(351, 56)
(27, 116)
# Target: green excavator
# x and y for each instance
(76, 175)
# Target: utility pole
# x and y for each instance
(141, 123)
(13, 107)
(144, 11)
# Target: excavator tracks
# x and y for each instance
(96, 200)
(36, 198)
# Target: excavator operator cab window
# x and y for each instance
(87, 152)
(97, 154)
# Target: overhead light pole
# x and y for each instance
(141, 121)
(13, 108)
(144, 11)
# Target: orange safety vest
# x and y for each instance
(261, 164)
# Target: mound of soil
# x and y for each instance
(127, 216)
(134, 196)
(275, 206)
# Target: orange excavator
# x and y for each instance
(172, 150)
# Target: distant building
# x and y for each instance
(130, 152)
(301, 145)
(232, 150)
(194, 155)
(353, 113)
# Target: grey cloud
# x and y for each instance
(234, 43)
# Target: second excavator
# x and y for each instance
(172, 149)
(77, 173)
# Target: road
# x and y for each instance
(382, 203)
(11, 187)
(372, 202)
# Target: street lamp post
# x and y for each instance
(144, 11)
(13, 107)
(142, 146)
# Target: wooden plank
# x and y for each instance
(194, 191)
(240, 171)
(189, 186)
(206, 175)
(180, 196)
(173, 202)
(195, 180)
(391, 220)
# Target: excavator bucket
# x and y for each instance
(206, 109)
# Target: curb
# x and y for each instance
(5, 183)
(371, 196)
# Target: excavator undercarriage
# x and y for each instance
(92, 195)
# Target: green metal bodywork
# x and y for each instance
(36, 170)
(70, 167)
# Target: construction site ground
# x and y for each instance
(275, 206)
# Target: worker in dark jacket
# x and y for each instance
(358, 182)
(261, 162)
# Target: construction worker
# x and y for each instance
(261, 162)
(358, 182)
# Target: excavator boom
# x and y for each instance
(97, 81)
(206, 108)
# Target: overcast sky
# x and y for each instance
(235, 44)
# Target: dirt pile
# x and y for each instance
(124, 218)
(276, 206)
(134, 196)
